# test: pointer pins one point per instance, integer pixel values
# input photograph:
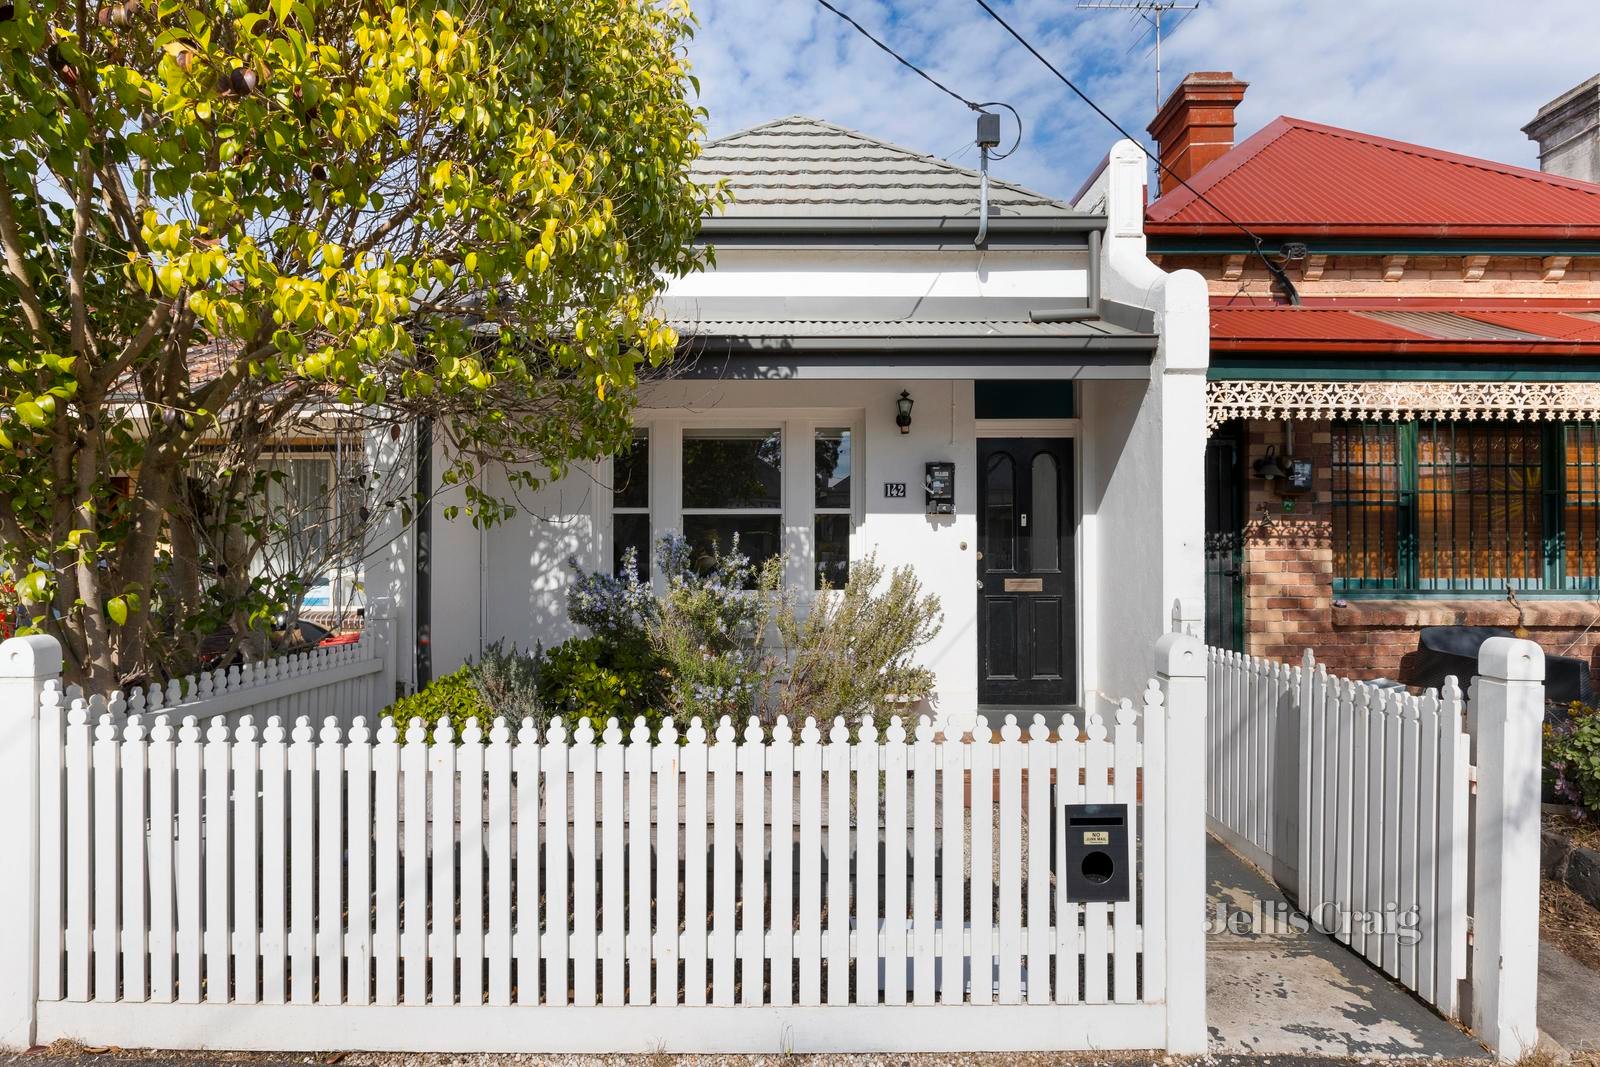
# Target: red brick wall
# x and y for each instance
(1288, 583)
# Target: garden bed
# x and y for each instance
(1570, 859)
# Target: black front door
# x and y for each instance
(1027, 643)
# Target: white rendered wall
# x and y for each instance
(527, 573)
(1146, 448)
(1059, 276)
(457, 604)
(528, 570)
(387, 564)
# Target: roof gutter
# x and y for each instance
(1015, 225)
(698, 345)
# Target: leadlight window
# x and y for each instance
(630, 504)
(1465, 507)
(733, 488)
(831, 523)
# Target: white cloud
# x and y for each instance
(1463, 75)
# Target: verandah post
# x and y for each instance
(1509, 699)
(26, 664)
(1181, 672)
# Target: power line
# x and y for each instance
(931, 80)
(902, 60)
(1277, 272)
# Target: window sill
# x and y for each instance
(1409, 614)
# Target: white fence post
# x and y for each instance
(1181, 670)
(1505, 960)
(26, 664)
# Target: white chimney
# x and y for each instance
(1568, 132)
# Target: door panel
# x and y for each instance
(1047, 637)
(999, 512)
(1001, 615)
(1044, 535)
(1027, 640)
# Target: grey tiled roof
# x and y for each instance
(804, 167)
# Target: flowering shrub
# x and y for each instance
(724, 639)
(1572, 758)
(710, 630)
(852, 652)
(617, 607)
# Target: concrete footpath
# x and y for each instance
(1569, 1001)
(1274, 990)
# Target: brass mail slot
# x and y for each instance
(1024, 585)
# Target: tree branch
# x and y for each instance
(17, 267)
(136, 345)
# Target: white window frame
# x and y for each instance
(771, 425)
(798, 427)
(608, 560)
(817, 510)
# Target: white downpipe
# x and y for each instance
(983, 200)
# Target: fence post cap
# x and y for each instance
(34, 656)
(1511, 659)
(1180, 656)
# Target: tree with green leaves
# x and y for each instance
(225, 222)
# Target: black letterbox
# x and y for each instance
(1097, 852)
(939, 482)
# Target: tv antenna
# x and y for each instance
(1149, 10)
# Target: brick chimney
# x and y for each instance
(1567, 132)
(1195, 125)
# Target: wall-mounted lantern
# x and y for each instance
(1269, 467)
(1287, 476)
(902, 408)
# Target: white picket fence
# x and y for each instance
(201, 885)
(1359, 799)
(344, 681)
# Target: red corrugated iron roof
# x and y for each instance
(1301, 178)
(1301, 324)
(1578, 327)
(1381, 330)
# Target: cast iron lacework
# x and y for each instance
(1401, 401)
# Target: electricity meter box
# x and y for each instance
(1097, 858)
(939, 481)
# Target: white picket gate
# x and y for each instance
(1359, 799)
(271, 887)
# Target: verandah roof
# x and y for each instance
(1404, 360)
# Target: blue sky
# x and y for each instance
(1463, 75)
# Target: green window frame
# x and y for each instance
(1441, 508)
